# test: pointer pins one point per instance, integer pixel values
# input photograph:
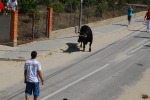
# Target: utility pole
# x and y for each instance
(114, 8)
(80, 15)
(102, 10)
(70, 14)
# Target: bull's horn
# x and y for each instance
(81, 35)
(85, 35)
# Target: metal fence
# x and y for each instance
(32, 26)
(92, 13)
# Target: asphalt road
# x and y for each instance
(99, 75)
(102, 74)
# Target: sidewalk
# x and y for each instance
(22, 52)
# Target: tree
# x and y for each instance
(75, 4)
(48, 3)
(58, 7)
(101, 8)
(28, 6)
(122, 2)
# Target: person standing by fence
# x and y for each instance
(147, 18)
(12, 5)
(130, 11)
(32, 73)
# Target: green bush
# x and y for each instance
(122, 2)
(28, 6)
(58, 7)
(63, 1)
(4, 1)
(48, 3)
(101, 8)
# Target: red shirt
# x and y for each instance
(1, 6)
(148, 15)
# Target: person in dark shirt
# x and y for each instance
(130, 11)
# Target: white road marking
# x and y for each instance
(136, 49)
(139, 48)
(75, 82)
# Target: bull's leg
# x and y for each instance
(83, 46)
(90, 46)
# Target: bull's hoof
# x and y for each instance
(89, 50)
(83, 50)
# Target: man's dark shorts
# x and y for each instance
(32, 87)
(129, 18)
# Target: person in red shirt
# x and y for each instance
(147, 18)
(1, 7)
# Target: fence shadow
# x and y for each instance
(72, 47)
(147, 45)
(142, 37)
(137, 30)
(120, 24)
(139, 21)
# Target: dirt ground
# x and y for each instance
(12, 72)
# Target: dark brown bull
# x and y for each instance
(85, 36)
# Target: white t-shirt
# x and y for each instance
(12, 4)
(32, 66)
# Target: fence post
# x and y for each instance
(50, 19)
(13, 28)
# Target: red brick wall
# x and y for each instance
(50, 19)
(14, 26)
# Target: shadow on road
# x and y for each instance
(139, 21)
(72, 47)
(137, 30)
(142, 37)
(147, 45)
(120, 24)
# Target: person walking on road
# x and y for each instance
(147, 18)
(32, 73)
(130, 12)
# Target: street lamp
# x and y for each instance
(114, 8)
(70, 14)
(80, 15)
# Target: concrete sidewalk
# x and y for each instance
(22, 52)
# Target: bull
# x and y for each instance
(85, 36)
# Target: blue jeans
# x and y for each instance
(32, 87)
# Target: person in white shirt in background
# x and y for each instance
(12, 5)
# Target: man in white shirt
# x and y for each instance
(12, 5)
(32, 73)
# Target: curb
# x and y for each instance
(11, 59)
